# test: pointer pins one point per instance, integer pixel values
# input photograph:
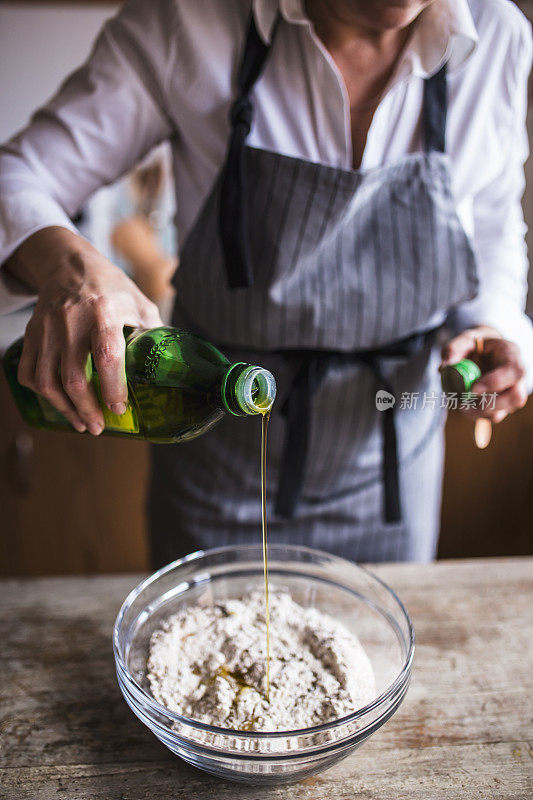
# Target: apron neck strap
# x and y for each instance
(435, 111)
(254, 57)
(233, 216)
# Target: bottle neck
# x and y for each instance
(247, 389)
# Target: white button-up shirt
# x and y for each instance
(165, 69)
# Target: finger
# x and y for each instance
(27, 364)
(494, 414)
(499, 379)
(108, 348)
(499, 416)
(78, 388)
(512, 399)
(498, 351)
(458, 348)
(150, 314)
(47, 383)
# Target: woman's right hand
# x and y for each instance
(84, 301)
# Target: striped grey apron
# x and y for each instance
(334, 280)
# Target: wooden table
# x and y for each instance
(464, 731)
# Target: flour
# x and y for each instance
(208, 663)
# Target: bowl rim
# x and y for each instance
(389, 692)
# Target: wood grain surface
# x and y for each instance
(465, 729)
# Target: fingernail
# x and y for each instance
(80, 427)
(95, 428)
(118, 408)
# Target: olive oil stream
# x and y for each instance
(264, 430)
(235, 675)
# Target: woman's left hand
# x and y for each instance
(501, 366)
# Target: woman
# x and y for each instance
(348, 180)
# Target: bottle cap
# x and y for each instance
(459, 378)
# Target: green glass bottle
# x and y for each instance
(179, 386)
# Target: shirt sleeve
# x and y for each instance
(499, 227)
(105, 117)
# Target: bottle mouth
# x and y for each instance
(254, 390)
(258, 389)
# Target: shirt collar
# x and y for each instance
(266, 13)
(445, 33)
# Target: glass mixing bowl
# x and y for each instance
(364, 603)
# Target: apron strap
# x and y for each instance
(392, 510)
(435, 111)
(233, 215)
(297, 411)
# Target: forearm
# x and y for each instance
(52, 253)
